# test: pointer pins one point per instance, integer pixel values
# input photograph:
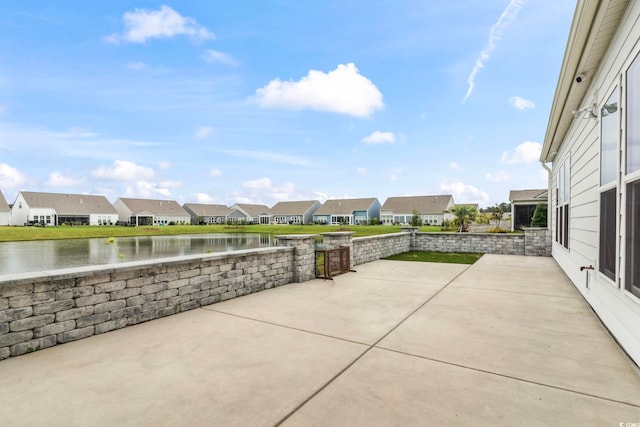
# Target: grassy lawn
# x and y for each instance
(449, 257)
(8, 234)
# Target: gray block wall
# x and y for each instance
(42, 310)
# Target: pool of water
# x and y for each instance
(31, 256)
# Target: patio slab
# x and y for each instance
(553, 340)
(395, 343)
(391, 389)
(360, 307)
(197, 368)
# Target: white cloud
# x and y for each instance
(146, 189)
(526, 152)
(215, 172)
(10, 177)
(56, 179)
(143, 24)
(361, 171)
(214, 56)
(379, 137)
(170, 184)
(204, 132)
(78, 132)
(259, 184)
(454, 166)
(521, 103)
(393, 177)
(136, 66)
(3, 109)
(164, 165)
(508, 15)
(500, 176)
(124, 170)
(343, 90)
(203, 198)
(464, 193)
(271, 157)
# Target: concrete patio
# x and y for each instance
(507, 341)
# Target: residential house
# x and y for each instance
(593, 144)
(5, 211)
(432, 210)
(300, 212)
(523, 204)
(348, 211)
(151, 212)
(207, 214)
(250, 214)
(56, 209)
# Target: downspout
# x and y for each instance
(549, 193)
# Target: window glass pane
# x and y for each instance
(632, 262)
(609, 140)
(565, 227)
(608, 234)
(633, 117)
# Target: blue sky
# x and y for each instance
(263, 101)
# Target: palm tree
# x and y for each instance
(464, 215)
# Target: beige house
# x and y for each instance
(300, 212)
(56, 209)
(5, 211)
(432, 210)
(593, 145)
(523, 204)
(207, 214)
(250, 214)
(151, 212)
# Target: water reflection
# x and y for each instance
(21, 257)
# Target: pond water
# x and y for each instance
(23, 257)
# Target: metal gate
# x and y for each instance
(331, 262)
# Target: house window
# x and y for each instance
(631, 181)
(563, 181)
(609, 130)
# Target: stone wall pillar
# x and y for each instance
(537, 241)
(413, 231)
(337, 239)
(304, 256)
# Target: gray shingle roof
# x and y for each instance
(344, 206)
(4, 206)
(69, 204)
(292, 208)
(422, 204)
(156, 207)
(253, 210)
(528, 195)
(208, 210)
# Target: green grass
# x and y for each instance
(447, 257)
(8, 234)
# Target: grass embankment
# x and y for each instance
(447, 257)
(8, 234)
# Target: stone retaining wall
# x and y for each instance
(485, 243)
(371, 248)
(41, 310)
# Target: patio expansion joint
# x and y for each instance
(511, 377)
(266, 322)
(372, 346)
(506, 291)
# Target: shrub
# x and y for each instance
(497, 230)
(539, 218)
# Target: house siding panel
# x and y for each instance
(619, 310)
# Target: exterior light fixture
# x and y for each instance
(589, 112)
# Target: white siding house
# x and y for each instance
(56, 209)
(207, 214)
(348, 211)
(593, 145)
(5, 211)
(300, 212)
(251, 214)
(151, 212)
(432, 210)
